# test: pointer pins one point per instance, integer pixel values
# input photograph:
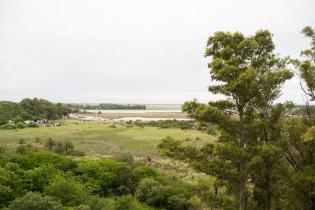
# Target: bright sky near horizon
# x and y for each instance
(136, 51)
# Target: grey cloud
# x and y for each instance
(131, 51)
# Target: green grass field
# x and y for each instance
(101, 139)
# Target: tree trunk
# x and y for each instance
(268, 189)
(313, 203)
(243, 197)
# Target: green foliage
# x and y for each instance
(124, 203)
(50, 144)
(25, 148)
(145, 171)
(178, 202)
(35, 201)
(127, 158)
(151, 192)
(67, 191)
(41, 176)
(30, 109)
(106, 176)
(20, 125)
(306, 67)
(36, 159)
(248, 72)
(58, 181)
(6, 182)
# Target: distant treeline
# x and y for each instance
(31, 109)
(107, 106)
(303, 109)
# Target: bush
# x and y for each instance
(37, 140)
(211, 130)
(112, 126)
(8, 126)
(22, 141)
(23, 149)
(178, 202)
(36, 159)
(20, 125)
(97, 203)
(105, 176)
(127, 158)
(67, 191)
(35, 201)
(6, 182)
(145, 171)
(124, 203)
(39, 177)
(151, 192)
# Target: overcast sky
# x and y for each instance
(140, 51)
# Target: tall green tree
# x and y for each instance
(306, 66)
(300, 134)
(249, 74)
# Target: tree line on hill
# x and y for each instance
(31, 109)
(106, 106)
(265, 158)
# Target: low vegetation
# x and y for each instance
(49, 180)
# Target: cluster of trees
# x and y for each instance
(265, 158)
(107, 106)
(31, 109)
(46, 180)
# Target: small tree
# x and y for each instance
(50, 144)
(68, 146)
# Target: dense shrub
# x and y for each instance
(105, 176)
(25, 148)
(35, 159)
(35, 201)
(8, 126)
(145, 171)
(20, 125)
(127, 158)
(67, 191)
(125, 203)
(6, 186)
(78, 184)
(151, 192)
(178, 202)
(40, 177)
